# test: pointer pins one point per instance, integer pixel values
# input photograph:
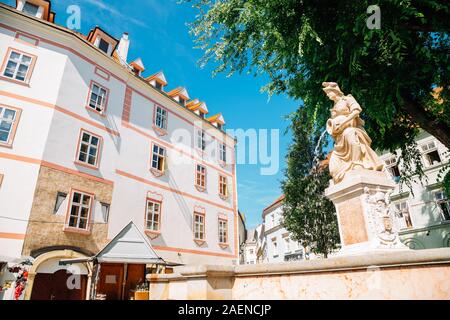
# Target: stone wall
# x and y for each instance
(406, 274)
(45, 229)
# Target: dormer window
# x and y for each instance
(102, 40)
(30, 9)
(36, 8)
(157, 80)
(180, 95)
(103, 45)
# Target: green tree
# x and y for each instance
(308, 214)
(299, 44)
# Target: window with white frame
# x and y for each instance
(200, 176)
(201, 142)
(223, 186)
(431, 153)
(98, 98)
(222, 152)
(392, 168)
(161, 118)
(443, 204)
(8, 123)
(89, 149)
(18, 66)
(153, 216)
(402, 212)
(223, 231)
(199, 226)
(158, 158)
(30, 8)
(80, 210)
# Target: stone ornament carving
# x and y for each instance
(381, 222)
(352, 149)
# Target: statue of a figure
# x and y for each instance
(352, 144)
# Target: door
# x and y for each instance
(111, 280)
(135, 276)
(54, 286)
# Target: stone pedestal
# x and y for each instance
(365, 217)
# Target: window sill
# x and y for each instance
(77, 231)
(223, 197)
(156, 172)
(152, 234)
(101, 114)
(199, 242)
(22, 83)
(89, 166)
(224, 245)
(6, 145)
(159, 131)
(201, 189)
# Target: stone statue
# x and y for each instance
(352, 149)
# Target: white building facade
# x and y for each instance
(278, 244)
(88, 144)
(423, 212)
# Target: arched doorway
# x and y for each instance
(48, 280)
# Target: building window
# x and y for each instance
(200, 177)
(105, 212)
(431, 154)
(153, 216)
(223, 231)
(18, 66)
(287, 244)
(392, 168)
(201, 143)
(98, 98)
(222, 152)
(161, 118)
(80, 210)
(30, 9)
(223, 186)
(402, 212)
(103, 45)
(60, 197)
(199, 226)
(158, 158)
(275, 247)
(182, 101)
(9, 118)
(443, 204)
(158, 85)
(89, 149)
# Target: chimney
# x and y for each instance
(122, 49)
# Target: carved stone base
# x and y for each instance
(366, 221)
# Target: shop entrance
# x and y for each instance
(118, 281)
(53, 286)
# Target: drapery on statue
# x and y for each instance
(351, 143)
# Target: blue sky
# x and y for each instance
(159, 35)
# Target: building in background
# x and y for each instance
(242, 237)
(278, 241)
(423, 212)
(85, 148)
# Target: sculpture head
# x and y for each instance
(332, 90)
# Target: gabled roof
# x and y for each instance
(159, 77)
(218, 118)
(274, 204)
(180, 91)
(195, 105)
(129, 246)
(138, 64)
